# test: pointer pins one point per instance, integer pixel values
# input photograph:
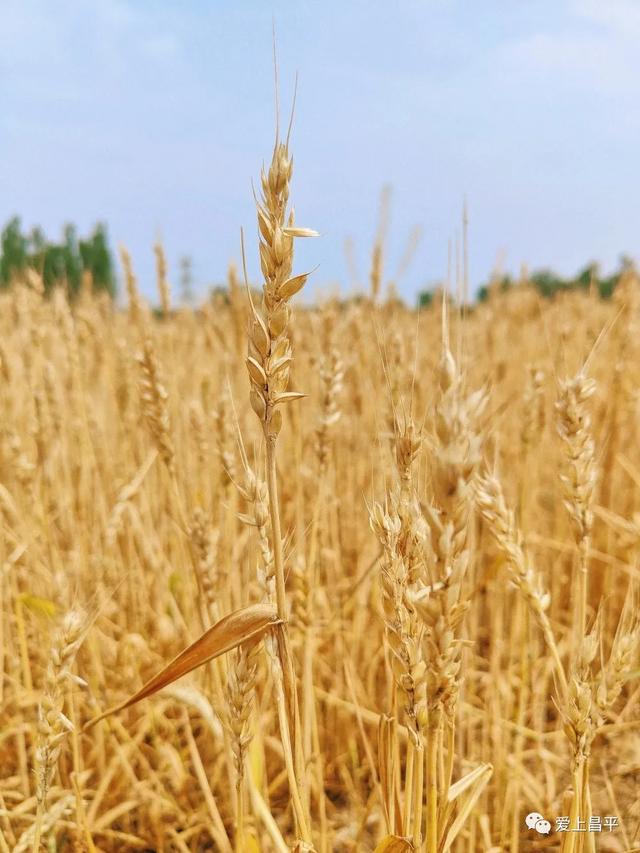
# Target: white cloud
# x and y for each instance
(161, 47)
(596, 51)
(620, 16)
(53, 41)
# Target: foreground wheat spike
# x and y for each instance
(270, 355)
(268, 363)
(53, 724)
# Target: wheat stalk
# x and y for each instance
(269, 363)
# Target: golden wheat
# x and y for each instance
(405, 609)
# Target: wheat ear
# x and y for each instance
(53, 724)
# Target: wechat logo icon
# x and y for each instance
(534, 820)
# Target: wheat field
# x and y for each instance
(407, 601)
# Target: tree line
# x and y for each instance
(65, 260)
(548, 283)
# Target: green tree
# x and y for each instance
(425, 298)
(587, 276)
(548, 283)
(57, 262)
(14, 248)
(96, 257)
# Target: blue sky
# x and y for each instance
(156, 116)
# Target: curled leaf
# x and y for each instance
(239, 627)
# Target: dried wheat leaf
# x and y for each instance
(248, 623)
(466, 791)
(469, 779)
